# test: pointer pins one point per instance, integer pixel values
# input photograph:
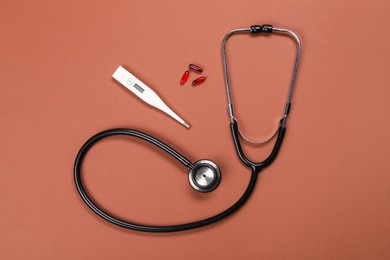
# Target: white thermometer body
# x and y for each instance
(145, 93)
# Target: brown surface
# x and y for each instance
(325, 197)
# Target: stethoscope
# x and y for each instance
(203, 175)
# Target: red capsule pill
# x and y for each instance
(198, 81)
(185, 77)
(195, 68)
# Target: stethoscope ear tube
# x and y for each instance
(256, 29)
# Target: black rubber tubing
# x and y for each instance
(149, 228)
(257, 165)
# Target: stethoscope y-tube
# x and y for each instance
(204, 175)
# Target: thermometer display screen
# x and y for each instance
(139, 88)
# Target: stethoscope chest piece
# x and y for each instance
(205, 176)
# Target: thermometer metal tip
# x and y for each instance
(145, 93)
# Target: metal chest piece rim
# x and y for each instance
(205, 176)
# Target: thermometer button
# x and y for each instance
(130, 81)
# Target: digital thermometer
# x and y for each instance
(145, 93)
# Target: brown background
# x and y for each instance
(325, 197)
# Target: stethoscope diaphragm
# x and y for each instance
(205, 176)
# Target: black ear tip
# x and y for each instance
(266, 28)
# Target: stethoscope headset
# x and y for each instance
(203, 175)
